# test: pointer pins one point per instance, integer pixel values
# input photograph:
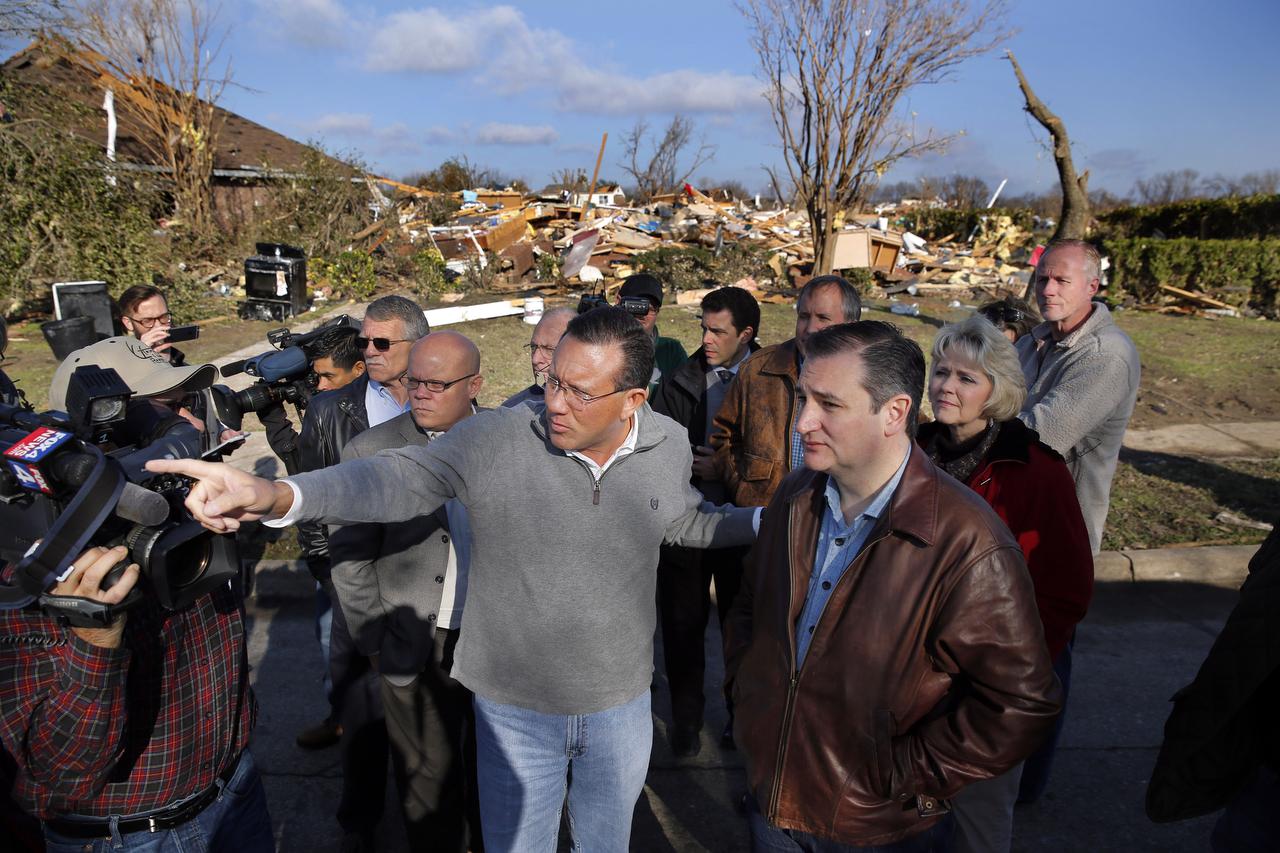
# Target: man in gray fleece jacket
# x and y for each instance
(568, 506)
(1082, 376)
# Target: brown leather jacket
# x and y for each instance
(752, 431)
(928, 669)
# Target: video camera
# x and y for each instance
(75, 479)
(284, 373)
(637, 306)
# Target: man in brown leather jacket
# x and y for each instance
(880, 664)
(754, 432)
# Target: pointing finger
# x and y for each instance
(196, 468)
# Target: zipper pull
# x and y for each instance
(595, 494)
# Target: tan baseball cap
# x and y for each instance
(146, 372)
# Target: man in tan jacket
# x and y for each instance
(753, 437)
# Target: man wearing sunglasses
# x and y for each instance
(390, 326)
(568, 505)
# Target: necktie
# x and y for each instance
(725, 374)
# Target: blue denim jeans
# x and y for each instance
(1035, 770)
(324, 630)
(769, 839)
(236, 822)
(528, 761)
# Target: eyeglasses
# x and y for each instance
(576, 396)
(542, 348)
(380, 344)
(434, 385)
(997, 314)
(147, 323)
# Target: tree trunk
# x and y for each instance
(1074, 219)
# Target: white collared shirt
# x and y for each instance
(627, 447)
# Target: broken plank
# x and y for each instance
(1196, 297)
(466, 313)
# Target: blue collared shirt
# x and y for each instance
(380, 406)
(838, 546)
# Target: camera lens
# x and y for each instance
(184, 561)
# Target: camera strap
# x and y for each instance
(47, 563)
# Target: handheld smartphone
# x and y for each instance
(183, 333)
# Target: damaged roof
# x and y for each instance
(243, 145)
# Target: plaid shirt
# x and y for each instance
(124, 731)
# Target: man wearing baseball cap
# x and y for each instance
(149, 376)
(668, 352)
(134, 735)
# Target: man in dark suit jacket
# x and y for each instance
(691, 395)
(401, 588)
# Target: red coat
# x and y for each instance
(1028, 485)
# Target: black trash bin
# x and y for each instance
(67, 336)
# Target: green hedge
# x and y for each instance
(1233, 218)
(1242, 273)
(932, 224)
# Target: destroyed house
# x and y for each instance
(603, 196)
(249, 158)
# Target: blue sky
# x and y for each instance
(528, 87)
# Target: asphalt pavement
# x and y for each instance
(1141, 642)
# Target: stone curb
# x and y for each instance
(1217, 565)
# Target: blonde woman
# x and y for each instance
(976, 390)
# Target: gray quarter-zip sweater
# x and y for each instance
(560, 598)
(1080, 395)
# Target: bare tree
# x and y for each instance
(834, 73)
(1074, 218)
(161, 58)
(964, 192)
(573, 179)
(1167, 187)
(661, 172)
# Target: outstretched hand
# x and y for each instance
(223, 496)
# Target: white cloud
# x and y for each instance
(496, 133)
(439, 134)
(312, 23)
(435, 41)
(342, 124)
(510, 56)
(684, 90)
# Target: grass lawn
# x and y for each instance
(1194, 370)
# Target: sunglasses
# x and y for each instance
(380, 344)
(1003, 313)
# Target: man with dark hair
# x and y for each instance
(144, 313)
(668, 353)
(567, 505)
(390, 327)
(754, 435)
(691, 395)
(338, 364)
(885, 649)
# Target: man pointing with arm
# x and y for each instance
(568, 505)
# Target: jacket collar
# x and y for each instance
(690, 376)
(913, 511)
(782, 360)
(1098, 318)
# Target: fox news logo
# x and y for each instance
(37, 445)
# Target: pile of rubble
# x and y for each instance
(596, 245)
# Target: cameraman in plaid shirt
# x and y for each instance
(135, 736)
